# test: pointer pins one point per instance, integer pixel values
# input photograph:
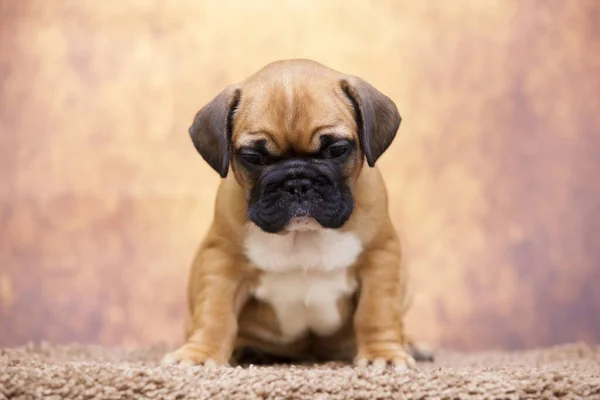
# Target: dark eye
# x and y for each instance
(336, 151)
(253, 158)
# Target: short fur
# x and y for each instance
(301, 260)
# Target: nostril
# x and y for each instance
(297, 186)
(304, 185)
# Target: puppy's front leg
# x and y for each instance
(378, 321)
(213, 300)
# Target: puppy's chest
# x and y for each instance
(323, 250)
(304, 277)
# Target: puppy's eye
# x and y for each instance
(336, 151)
(253, 158)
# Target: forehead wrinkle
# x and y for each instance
(294, 109)
(251, 138)
(330, 115)
(260, 115)
(291, 108)
(298, 112)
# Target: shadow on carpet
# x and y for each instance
(91, 372)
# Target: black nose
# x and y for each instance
(297, 186)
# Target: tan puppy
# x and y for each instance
(301, 260)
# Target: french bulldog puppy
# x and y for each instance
(301, 260)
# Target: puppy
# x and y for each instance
(301, 261)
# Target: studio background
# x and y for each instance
(493, 177)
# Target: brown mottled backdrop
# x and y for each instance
(494, 177)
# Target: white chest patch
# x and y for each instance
(306, 301)
(305, 274)
(322, 250)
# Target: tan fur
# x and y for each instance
(290, 104)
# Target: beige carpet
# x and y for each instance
(86, 372)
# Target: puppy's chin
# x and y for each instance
(302, 224)
(295, 225)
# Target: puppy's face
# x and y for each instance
(298, 187)
(295, 151)
(295, 135)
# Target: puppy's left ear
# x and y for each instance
(376, 116)
(212, 128)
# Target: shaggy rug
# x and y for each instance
(90, 372)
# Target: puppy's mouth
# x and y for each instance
(302, 224)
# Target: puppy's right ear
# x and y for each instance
(212, 128)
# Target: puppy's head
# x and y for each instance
(296, 135)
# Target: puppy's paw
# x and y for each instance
(391, 357)
(191, 354)
(419, 351)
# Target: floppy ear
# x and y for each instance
(376, 114)
(212, 127)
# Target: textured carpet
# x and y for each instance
(86, 372)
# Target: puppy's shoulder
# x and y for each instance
(370, 194)
(370, 220)
(229, 215)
